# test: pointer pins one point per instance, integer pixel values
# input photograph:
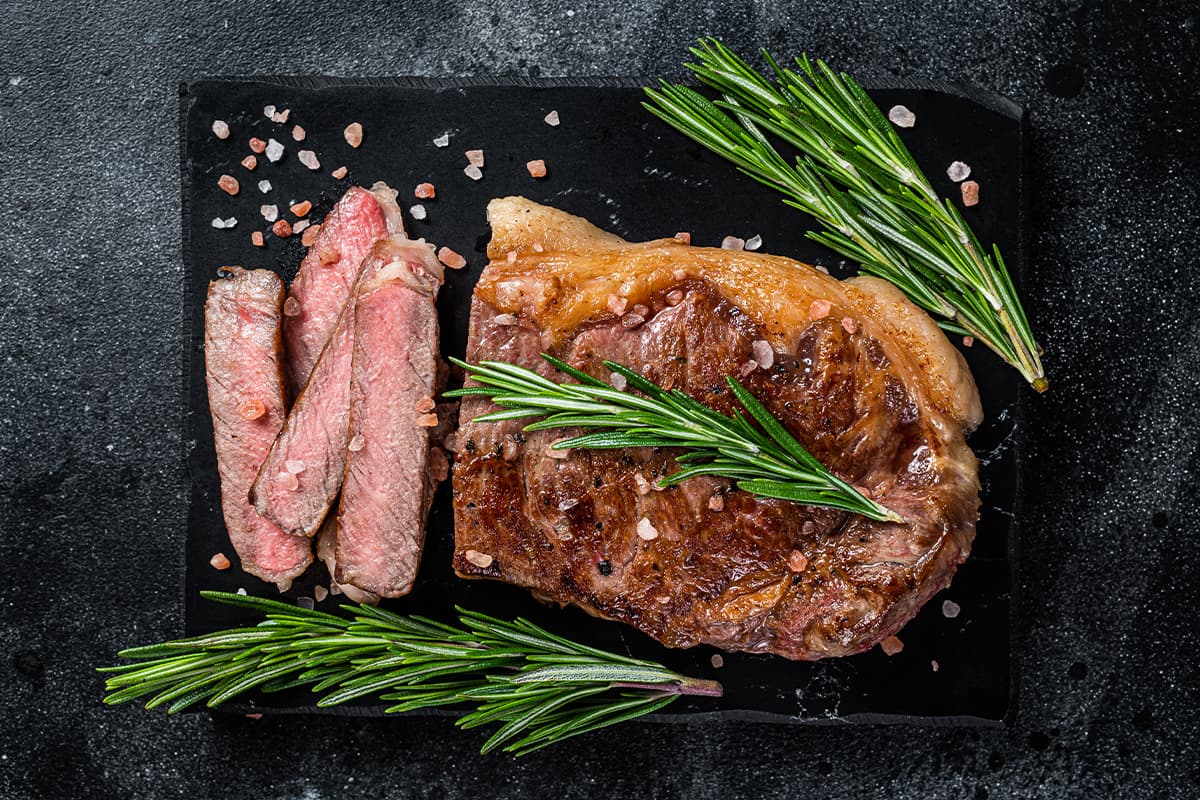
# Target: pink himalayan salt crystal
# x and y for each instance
(819, 309)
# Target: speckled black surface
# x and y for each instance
(92, 494)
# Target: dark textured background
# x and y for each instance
(92, 493)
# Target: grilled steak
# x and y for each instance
(301, 476)
(328, 273)
(856, 373)
(242, 359)
(389, 482)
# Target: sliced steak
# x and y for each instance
(329, 271)
(859, 375)
(391, 471)
(301, 476)
(242, 361)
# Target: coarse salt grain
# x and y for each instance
(632, 320)
(646, 531)
(747, 368)
(684, 236)
(891, 645)
(481, 560)
(933, 665)
(425, 191)
(968, 341)
(353, 134)
(442, 141)
(733, 243)
(970, 193)
(339, 173)
(536, 168)
(551, 119)
(418, 211)
(901, 117)
(302, 208)
(328, 255)
(298, 133)
(537, 247)
(264, 186)
(219, 560)
(618, 381)
(257, 239)
(475, 157)
(301, 226)
(510, 449)
(269, 212)
(950, 609)
(252, 408)
(643, 485)
(679, 274)
(282, 116)
(427, 420)
(282, 228)
(797, 562)
(268, 111)
(450, 258)
(473, 172)
(958, 171)
(320, 593)
(357, 442)
(288, 481)
(218, 222)
(716, 502)
(242, 591)
(310, 235)
(220, 129)
(294, 466)
(257, 144)
(511, 257)
(717, 660)
(424, 404)
(819, 309)
(849, 324)
(764, 354)
(504, 320)
(250, 162)
(754, 242)
(229, 184)
(568, 504)
(309, 159)
(616, 304)
(274, 150)
(674, 297)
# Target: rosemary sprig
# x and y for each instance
(763, 459)
(853, 175)
(541, 688)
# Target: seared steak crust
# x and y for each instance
(726, 568)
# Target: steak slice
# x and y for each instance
(390, 467)
(329, 271)
(301, 476)
(242, 359)
(860, 376)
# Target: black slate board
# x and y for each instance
(610, 163)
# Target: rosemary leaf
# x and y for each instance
(857, 179)
(762, 457)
